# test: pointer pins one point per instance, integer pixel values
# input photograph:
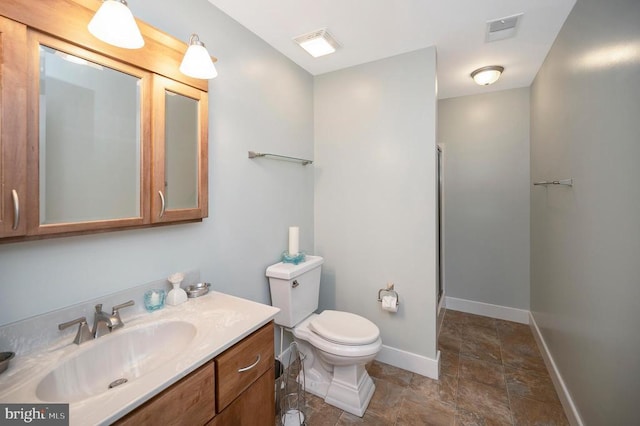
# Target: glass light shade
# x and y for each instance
(317, 43)
(317, 47)
(197, 62)
(114, 23)
(487, 75)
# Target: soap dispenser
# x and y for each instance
(177, 295)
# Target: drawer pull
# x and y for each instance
(242, 370)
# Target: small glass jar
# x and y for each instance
(154, 299)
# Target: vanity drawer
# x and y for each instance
(238, 367)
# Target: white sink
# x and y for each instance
(123, 354)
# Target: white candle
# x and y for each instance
(294, 240)
(155, 298)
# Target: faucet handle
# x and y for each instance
(116, 308)
(83, 334)
(115, 312)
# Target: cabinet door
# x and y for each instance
(88, 135)
(254, 407)
(13, 128)
(190, 402)
(180, 155)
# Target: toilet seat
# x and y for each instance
(303, 331)
(344, 328)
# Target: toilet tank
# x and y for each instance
(295, 289)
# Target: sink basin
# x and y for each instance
(116, 359)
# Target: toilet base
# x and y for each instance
(348, 387)
(345, 395)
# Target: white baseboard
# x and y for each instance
(415, 363)
(488, 310)
(561, 388)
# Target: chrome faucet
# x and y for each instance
(83, 334)
(103, 323)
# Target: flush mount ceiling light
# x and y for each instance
(487, 75)
(317, 43)
(197, 62)
(114, 23)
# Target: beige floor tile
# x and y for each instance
(518, 340)
(425, 389)
(486, 401)
(467, 418)
(452, 316)
(385, 402)
(534, 413)
(480, 321)
(508, 328)
(389, 373)
(319, 412)
(479, 333)
(427, 413)
(449, 343)
(485, 350)
(532, 385)
(523, 357)
(488, 373)
(453, 329)
(369, 419)
(449, 363)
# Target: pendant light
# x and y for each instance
(487, 75)
(114, 23)
(197, 62)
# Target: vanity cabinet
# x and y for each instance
(94, 137)
(235, 388)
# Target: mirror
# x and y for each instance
(89, 140)
(181, 151)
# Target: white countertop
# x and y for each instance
(220, 320)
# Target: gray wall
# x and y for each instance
(375, 193)
(585, 288)
(486, 185)
(260, 101)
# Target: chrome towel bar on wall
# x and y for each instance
(304, 162)
(566, 182)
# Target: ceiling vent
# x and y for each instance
(503, 28)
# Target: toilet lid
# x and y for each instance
(344, 328)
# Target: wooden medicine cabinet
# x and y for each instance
(94, 137)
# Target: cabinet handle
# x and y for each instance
(242, 370)
(161, 205)
(16, 209)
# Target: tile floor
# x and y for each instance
(491, 374)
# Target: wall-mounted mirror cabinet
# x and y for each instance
(180, 156)
(94, 137)
(13, 128)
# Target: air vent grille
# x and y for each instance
(502, 28)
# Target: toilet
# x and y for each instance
(335, 345)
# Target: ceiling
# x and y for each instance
(374, 29)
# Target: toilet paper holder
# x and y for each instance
(389, 290)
